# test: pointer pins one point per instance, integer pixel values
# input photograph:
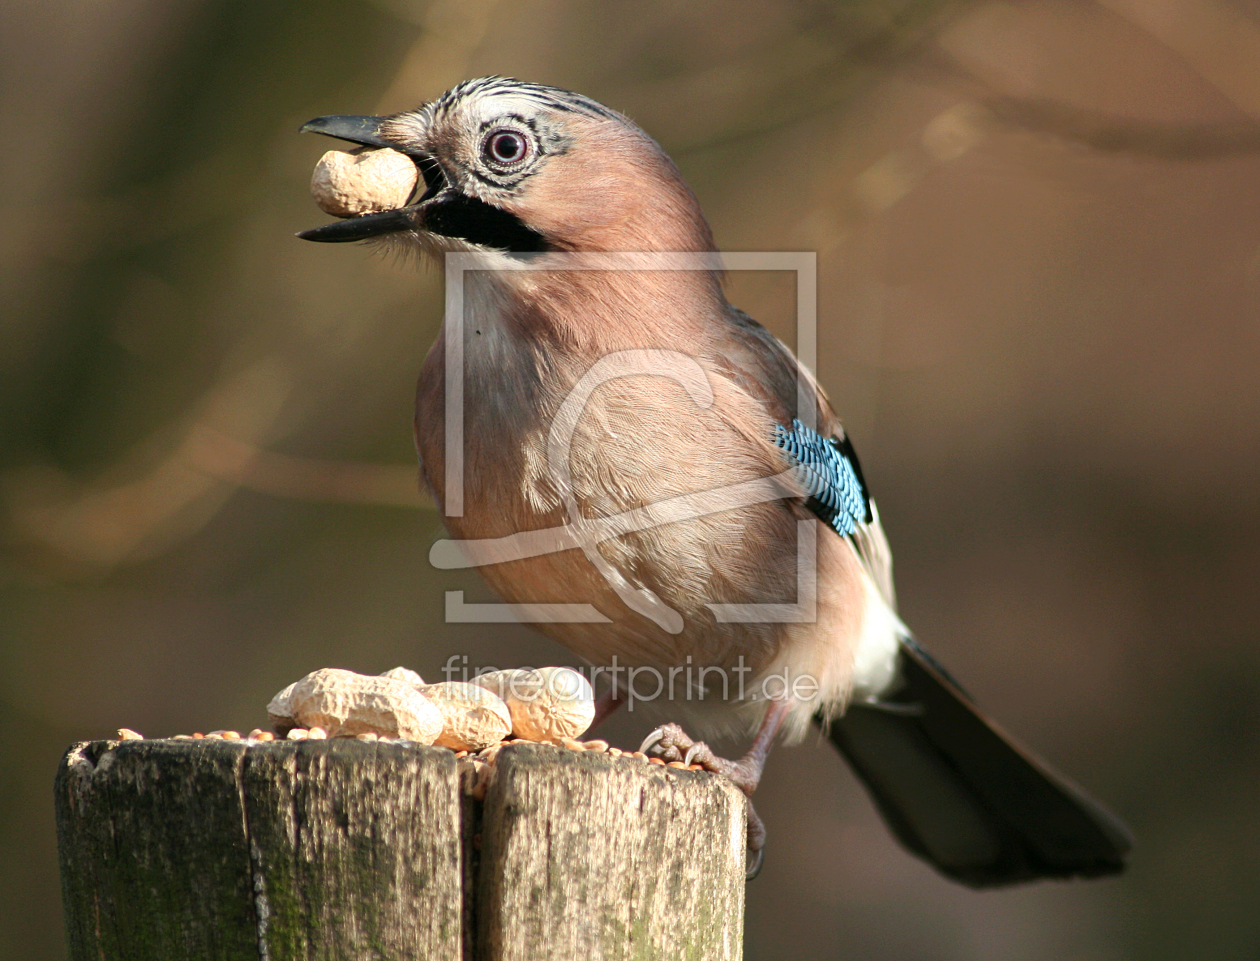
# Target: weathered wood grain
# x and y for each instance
(284, 851)
(355, 850)
(154, 857)
(586, 856)
(331, 850)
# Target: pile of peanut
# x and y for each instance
(548, 704)
(474, 719)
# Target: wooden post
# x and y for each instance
(591, 856)
(288, 851)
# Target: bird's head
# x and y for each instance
(515, 166)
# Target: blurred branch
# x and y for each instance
(1220, 44)
(104, 524)
(1102, 131)
(1219, 41)
(1094, 128)
(304, 478)
(803, 89)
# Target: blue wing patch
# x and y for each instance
(829, 470)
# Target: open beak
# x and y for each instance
(366, 131)
(360, 130)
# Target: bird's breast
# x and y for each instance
(611, 443)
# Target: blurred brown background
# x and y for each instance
(1039, 278)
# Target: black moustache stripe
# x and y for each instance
(477, 222)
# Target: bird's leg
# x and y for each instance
(671, 743)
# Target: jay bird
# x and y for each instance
(509, 168)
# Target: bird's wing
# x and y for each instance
(831, 475)
(825, 459)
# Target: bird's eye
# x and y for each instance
(506, 147)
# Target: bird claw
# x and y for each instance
(753, 863)
(696, 750)
(670, 742)
(652, 740)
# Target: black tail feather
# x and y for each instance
(961, 795)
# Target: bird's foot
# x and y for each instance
(670, 742)
(755, 855)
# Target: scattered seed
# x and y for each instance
(198, 735)
(127, 734)
(297, 734)
(475, 778)
(656, 760)
(367, 736)
(572, 745)
(638, 755)
(616, 751)
(316, 733)
(675, 764)
(262, 736)
(596, 745)
(468, 768)
(182, 737)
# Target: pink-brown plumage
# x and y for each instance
(640, 440)
(530, 336)
(660, 390)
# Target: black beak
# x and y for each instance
(364, 226)
(367, 132)
(360, 130)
